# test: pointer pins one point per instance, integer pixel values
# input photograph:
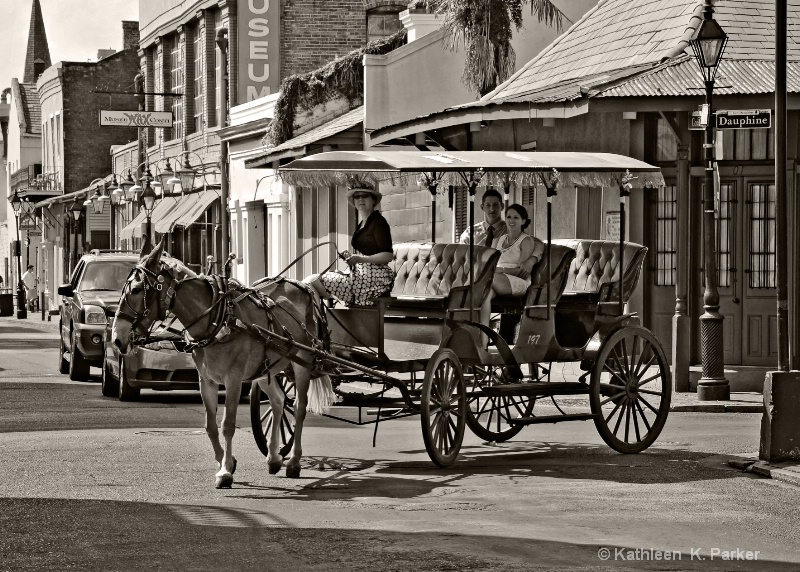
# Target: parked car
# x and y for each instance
(89, 299)
(158, 361)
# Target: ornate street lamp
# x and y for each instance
(186, 174)
(166, 176)
(99, 198)
(708, 43)
(148, 203)
(22, 306)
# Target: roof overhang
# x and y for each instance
(476, 112)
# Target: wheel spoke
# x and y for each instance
(632, 409)
(643, 400)
(610, 415)
(639, 369)
(627, 421)
(649, 379)
(650, 392)
(644, 417)
(624, 344)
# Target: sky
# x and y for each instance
(76, 29)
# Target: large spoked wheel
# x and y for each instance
(630, 390)
(262, 419)
(489, 417)
(443, 407)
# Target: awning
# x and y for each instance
(195, 205)
(494, 167)
(129, 229)
(296, 146)
(167, 216)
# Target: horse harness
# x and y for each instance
(225, 324)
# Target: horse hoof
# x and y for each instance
(274, 468)
(293, 472)
(224, 482)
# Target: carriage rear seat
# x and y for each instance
(594, 274)
(432, 278)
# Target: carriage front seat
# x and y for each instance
(431, 279)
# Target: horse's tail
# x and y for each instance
(320, 395)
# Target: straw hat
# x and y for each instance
(362, 187)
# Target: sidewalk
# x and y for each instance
(33, 323)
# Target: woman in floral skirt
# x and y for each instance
(369, 275)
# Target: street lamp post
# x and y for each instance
(76, 209)
(22, 307)
(708, 43)
(148, 203)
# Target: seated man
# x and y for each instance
(492, 226)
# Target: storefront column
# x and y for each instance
(253, 235)
(681, 322)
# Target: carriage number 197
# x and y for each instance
(533, 339)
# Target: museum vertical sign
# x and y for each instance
(259, 48)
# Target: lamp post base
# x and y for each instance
(713, 390)
(22, 309)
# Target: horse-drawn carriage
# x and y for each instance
(419, 349)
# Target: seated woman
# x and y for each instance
(518, 254)
(370, 275)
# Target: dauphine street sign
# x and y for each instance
(735, 119)
(158, 119)
(744, 119)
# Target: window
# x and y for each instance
(215, 90)
(747, 144)
(762, 236)
(383, 22)
(666, 143)
(176, 86)
(198, 80)
(666, 211)
(725, 230)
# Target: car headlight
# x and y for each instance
(94, 315)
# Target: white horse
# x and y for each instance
(231, 348)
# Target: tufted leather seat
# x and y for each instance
(594, 274)
(431, 278)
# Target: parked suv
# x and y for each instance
(90, 300)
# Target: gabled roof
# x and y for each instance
(622, 35)
(38, 50)
(29, 110)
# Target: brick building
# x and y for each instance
(267, 41)
(75, 152)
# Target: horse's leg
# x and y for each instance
(276, 402)
(210, 394)
(302, 378)
(233, 392)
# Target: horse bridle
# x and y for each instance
(150, 281)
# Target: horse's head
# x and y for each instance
(144, 297)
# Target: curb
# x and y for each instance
(718, 408)
(788, 472)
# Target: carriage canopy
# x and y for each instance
(498, 167)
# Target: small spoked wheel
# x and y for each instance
(630, 390)
(262, 418)
(489, 417)
(443, 407)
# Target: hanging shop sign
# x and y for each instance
(744, 119)
(259, 48)
(157, 119)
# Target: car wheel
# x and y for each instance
(78, 365)
(110, 384)
(126, 391)
(63, 362)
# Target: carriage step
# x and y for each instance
(536, 388)
(552, 418)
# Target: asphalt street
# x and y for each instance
(90, 483)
